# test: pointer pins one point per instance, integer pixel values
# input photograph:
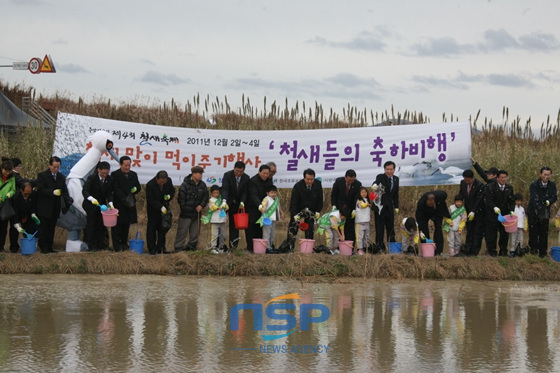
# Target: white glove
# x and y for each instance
(497, 210)
(111, 205)
(18, 227)
(93, 201)
(333, 208)
(163, 210)
(57, 192)
(471, 215)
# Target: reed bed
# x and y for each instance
(304, 267)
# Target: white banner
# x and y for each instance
(425, 154)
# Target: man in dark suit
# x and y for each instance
(306, 194)
(126, 186)
(388, 206)
(98, 190)
(25, 206)
(257, 191)
(344, 195)
(471, 190)
(235, 185)
(498, 199)
(159, 192)
(432, 206)
(51, 187)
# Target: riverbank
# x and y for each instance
(303, 267)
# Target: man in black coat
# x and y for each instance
(51, 187)
(344, 195)
(25, 206)
(126, 186)
(389, 201)
(193, 197)
(256, 193)
(159, 193)
(306, 194)
(498, 199)
(432, 206)
(472, 191)
(542, 194)
(97, 190)
(235, 185)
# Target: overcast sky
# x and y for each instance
(431, 56)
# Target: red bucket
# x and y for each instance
(110, 217)
(241, 219)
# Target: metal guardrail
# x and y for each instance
(36, 111)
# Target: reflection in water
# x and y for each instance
(149, 323)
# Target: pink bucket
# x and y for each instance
(346, 247)
(428, 249)
(306, 245)
(110, 217)
(510, 225)
(259, 245)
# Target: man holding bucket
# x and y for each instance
(432, 206)
(498, 199)
(542, 194)
(126, 186)
(306, 194)
(257, 191)
(98, 194)
(234, 193)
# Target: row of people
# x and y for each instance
(481, 202)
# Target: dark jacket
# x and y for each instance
(48, 205)
(231, 193)
(155, 197)
(338, 193)
(473, 200)
(537, 199)
(256, 193)
(440, 210)
(494, 197)
(190, 196)
(122, 184)
(303, 198)
(24, 208)
(390, 198)
(101, 191)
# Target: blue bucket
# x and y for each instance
(137, 246)
(395, 247)
(555, 253)
(28, 245)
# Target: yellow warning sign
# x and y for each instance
(47, 65)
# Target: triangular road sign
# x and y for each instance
(47, 66)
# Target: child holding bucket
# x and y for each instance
(455, 231)
(217, 217)
(332, 224)
(516, 238)
(363, 217)
(410, 235)
(270, 207)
